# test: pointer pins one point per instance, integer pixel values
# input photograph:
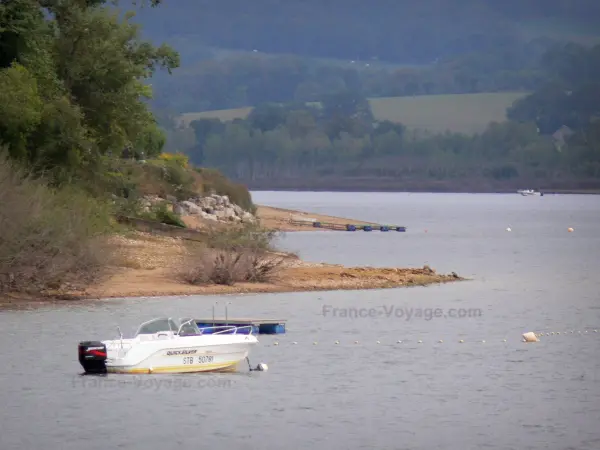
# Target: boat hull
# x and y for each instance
(528, 193)
(180, 355)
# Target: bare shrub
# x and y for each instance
(49, 238)
(217, 266)
(261, 267)
(241, 237)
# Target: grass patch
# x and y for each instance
(161, 213)
(467, 113)
(226, 115)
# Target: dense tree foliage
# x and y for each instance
(72, 83)
(289, 150)
(570, 101)
(571, 94)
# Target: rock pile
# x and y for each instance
(215, 208)
(149, 201)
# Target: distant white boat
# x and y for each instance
(528, 192)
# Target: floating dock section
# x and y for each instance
(259, 326)
(312, 222)
(348, 226)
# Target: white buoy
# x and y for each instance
(262, 367)
(508, 229)
(276, 343)
(337, 342)
(378, 342)
(294, 343)
(530, 337)
(399, 342)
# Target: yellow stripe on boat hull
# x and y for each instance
(218, 367)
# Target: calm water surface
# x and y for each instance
(412, 395)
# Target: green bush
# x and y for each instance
(131, 180)
(247, 236)
(213, 180)
(166, 216)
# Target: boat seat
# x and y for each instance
(146, 337)
(164, 335)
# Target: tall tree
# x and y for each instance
(86, 67)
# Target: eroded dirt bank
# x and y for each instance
(148, 265)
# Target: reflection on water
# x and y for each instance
(427, 395)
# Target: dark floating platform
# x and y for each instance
(259, 326)
(349, 226)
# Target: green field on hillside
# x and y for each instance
(467, 113)
(223, 114)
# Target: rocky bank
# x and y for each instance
(213, 208)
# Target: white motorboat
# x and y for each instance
(527, 192)
(166, 345)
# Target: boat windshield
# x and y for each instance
(189, 328)
(158, 325)
(185, 327)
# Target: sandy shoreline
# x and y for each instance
(281, 219)
(148, 265)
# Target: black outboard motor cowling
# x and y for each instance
(92, 356)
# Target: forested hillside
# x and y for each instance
(236, 54)
(401, 31)
(551, 141)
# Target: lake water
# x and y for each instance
(409, 395)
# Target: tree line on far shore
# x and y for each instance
(552, 137)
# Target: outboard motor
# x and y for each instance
(92, 356)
